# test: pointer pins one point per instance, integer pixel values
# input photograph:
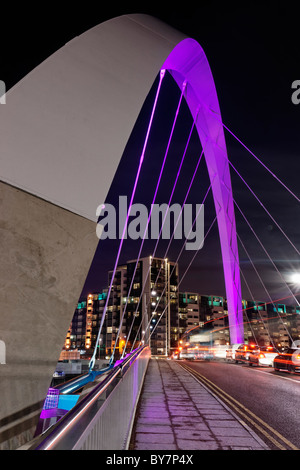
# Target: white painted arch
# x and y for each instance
(70, 118)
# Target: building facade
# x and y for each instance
(189, 311)
(264, 323)
(83, 330)
(145, 306)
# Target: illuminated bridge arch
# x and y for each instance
(63, 130)
(187, 62)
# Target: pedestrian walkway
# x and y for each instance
(176, 412)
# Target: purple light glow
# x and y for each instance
(187, 62)
(52, 398)
(52, 413)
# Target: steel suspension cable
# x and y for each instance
(272, 218)
(278, 226)
(264, 249)
(210, 227)
(255, 156)
(153, 254)
(178, 256)
(265, 209)
(257, 198)
(170, 199)
(186, 196)
(161, 76)
(149, 216)
(245, 310)
(186, 242)
(179, 216)
(262, 283)
(253, 300)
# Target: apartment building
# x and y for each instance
(145, 306)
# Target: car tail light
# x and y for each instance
(261, 356)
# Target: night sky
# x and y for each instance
(253, 51)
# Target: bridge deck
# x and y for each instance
(176, 412)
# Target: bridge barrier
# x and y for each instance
(103, 419)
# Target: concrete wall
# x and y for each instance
(45, 254)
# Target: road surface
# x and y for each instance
(267, 401)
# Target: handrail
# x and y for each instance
(50, 438)
(75, 384)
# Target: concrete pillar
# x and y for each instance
(45, 254)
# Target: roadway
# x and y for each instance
(267, 401)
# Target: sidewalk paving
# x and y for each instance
(176, 412)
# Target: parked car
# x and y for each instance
(288, 360)
(243, 351)
(263, 356)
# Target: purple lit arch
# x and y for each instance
(187, 62)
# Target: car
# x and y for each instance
(243, 351)
(230, 352)
(263, 356)
(204, 354)
(220, 351)
(288, 360)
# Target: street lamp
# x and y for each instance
(295, 278)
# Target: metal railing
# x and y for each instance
(103, 419)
